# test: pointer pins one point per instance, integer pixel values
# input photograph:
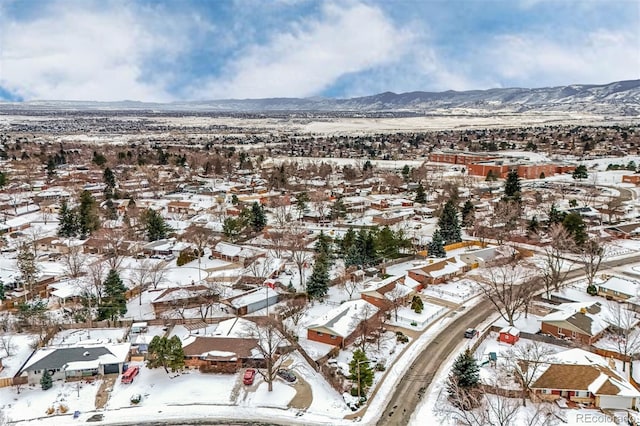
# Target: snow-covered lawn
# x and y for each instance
(33, 402)
(456, 291)
(531, 324)
(19, 350)
(92, 335)
(410, 319)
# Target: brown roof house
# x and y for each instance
(221, 354)
(582, 322)
(585, 378)
(339, 326)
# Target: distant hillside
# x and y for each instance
(618, 98)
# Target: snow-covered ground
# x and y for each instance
(89, 336)
(456, 290)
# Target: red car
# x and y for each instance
(249, 375)
(127, 376)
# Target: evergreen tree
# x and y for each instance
(448, 224)
(318, 283)
(155, 226)
(491, 176)
(109, 179)
(338, 210)
(301, 203)
(574, 224)
(3, 296)
(110, 212)
(386, 243)
(323, 246)
(88, 220)
(26, 262)
(464, 379)
(580, 172)
(258, 220)
(114, 302)
(436, 246)
(416, 304)
(555, 216)
(406, 172)
(468, 213)
(421, 195)
(232, 227)
(360, 373)
(67, 221)
(512, 187)
(4, 179)
(46, 380)
(347, 241)
(533, 225)
(166, 352)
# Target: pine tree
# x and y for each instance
(88, 220)
(46, 381)
(155, 226)
(258, 219)
(109, 179)
(468, 213)
(512, 187)
(421, 195)
(26, 262)
(416, 304)
(464, 379)
(338, 210)
(114, 302)
(360, 373)
(3, 295)
(318, 283)
(323, 246)
(533, 225)
(580, 172)
(166, 352)
(67, 221)
(575, 225)
(449, 224)
(555, 216)
(436, 246)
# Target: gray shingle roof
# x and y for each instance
(62, 356)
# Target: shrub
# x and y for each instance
(592, 290)
(380, 367)
(413, 323)
(185, 257)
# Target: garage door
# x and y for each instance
(111, 368)
(615, 402)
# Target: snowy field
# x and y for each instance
(407, 318)
(89, 336)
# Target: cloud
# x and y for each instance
(311, 55)
(599, 56)
(74, 51)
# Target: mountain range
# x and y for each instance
(620, 98)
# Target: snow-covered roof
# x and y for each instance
(630, 288)
(510, 330)
(263, 293)
(586, 317)
(344, 319)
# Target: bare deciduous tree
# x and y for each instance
(74, 260)
(623, 324)
(591, 254)
(508, 286)
(555, 266)
(526, 363)
(116, 247)
(157, 273)
(300, 254)
(201, 237)
(269, 340)
(7, 345)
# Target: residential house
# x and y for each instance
(236, 253)
(381, 293)
(253, 300)
(585, 378)
(180, 298)
(222, 354)
(580, 321)
(74, 362)
(339, 326)
(438, 272)
(186, 208)
(620, 289)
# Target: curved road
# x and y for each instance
(413, 385)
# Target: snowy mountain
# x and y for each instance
(618, 98)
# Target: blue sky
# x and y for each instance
(152, 50)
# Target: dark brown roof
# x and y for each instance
(577, 377)
(240, 347)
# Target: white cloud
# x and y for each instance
(77, 52)
(601, 56)
(312, 55)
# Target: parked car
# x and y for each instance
(127, 376)
(249, 376)
(286, 375)
(470, 333)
